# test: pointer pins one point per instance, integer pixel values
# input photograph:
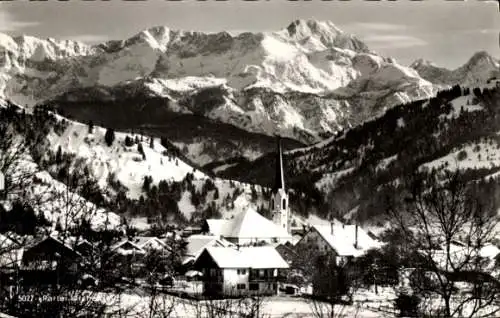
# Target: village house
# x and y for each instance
(233, 271)
(48, 260)
(81, 245)
(128, 256)
(338, 240)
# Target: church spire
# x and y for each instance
(280, 177)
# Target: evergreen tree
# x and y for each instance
(146, 186)
(91, 127)
(109, 137)
(195, 197)
(152, 143)
(140, 149)
(59, 155)
(254, 193)
(128, 141)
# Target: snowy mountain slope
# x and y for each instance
(265, 82)
(124, 164)
(68, 151)
(51, 198)
(480, 68)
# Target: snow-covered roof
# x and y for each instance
(148, 242)
(247, 224)
(35, 241)
(460, 253)
(257, 257)
(126, 247)
(196, 243)
(76, 241)
(342, 238)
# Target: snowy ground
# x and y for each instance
(272, 307)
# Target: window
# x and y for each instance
(242, 271)
(284, 204)
(254, 286)
(213, 272)
(241, 286)
(254, 273)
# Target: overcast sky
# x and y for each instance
(447, 33)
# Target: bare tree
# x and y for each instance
(333, 289)
(15, 163)
(236, 306)
(447, 227)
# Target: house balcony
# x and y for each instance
(265, 275)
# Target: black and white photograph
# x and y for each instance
(249, 159)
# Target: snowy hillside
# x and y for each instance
(303, 81)
(122, 163)
(51, 198)
(79, 168)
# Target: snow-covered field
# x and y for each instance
(271, 307)
(466, 103)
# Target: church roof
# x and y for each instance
(216, 226)
(248, 224)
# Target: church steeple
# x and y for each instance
(279, 181)
(279, 201)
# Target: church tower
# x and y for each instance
(280, 209)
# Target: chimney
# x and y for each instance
(331, 228)
(356, 236)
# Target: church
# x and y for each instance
(249, 227)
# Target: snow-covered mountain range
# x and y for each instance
(303, 81)
(480, 68)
